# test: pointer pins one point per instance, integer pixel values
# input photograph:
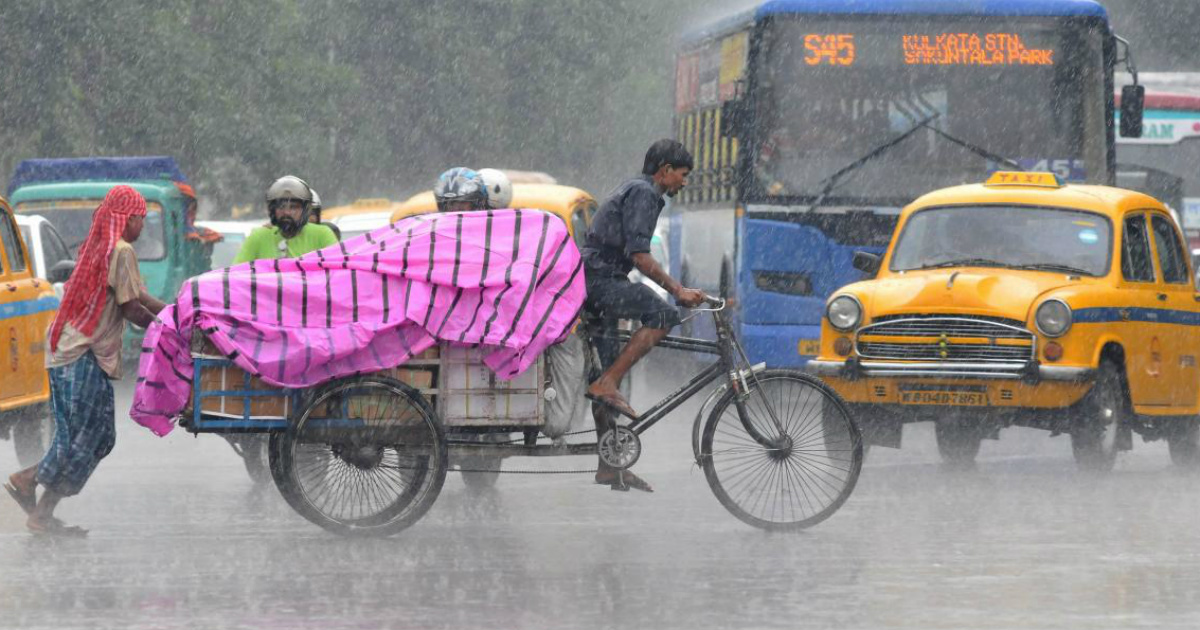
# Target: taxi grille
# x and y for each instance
(946, 339)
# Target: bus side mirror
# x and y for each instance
(735, 118)
(61, 271)
(867, 263)
(1133, 103)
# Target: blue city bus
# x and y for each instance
(812, 122)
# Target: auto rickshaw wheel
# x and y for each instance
(480, 472)
(1104, 413)
(366, 457)
(1184, 445)
(32, 434)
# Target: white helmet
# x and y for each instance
(315, 206)
(499, 188)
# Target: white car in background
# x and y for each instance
(46, 247)
(658, 249)
(352, 225)
(233, 234)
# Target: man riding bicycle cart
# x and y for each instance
(389, 351)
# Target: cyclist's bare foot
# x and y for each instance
(610, 398)
(609, 477)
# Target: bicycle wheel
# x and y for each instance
(784, 475)
(367, 457)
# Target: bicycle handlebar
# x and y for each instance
(716, 303)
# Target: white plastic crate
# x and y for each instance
(469, 394)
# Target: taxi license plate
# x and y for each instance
(947, 398)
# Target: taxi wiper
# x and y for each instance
(831, 182)
(1055, 267)
(967, 262)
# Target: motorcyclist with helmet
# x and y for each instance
(314, 215)
(290, 234)
(461, 189)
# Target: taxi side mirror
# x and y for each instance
(867, 263)
(61, 271)
(1133, 104)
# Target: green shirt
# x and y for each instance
(264, 242)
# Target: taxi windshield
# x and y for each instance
(1017, 237)
(65, 216)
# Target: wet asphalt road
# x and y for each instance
(181, 539)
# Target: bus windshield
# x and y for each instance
(938, 100)
(1048, 239)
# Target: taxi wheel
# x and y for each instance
(1184, 445)
(1105, 410)
(958, 443)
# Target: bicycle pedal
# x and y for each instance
(619, 486)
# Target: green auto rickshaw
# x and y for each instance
(67, 191)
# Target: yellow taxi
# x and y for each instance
(27, 304)
(1023, 302)
(573, 205)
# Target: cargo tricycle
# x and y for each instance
(366, 455)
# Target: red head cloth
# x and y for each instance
(83, 300)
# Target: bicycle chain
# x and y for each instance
(521, 440)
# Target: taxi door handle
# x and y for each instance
(10, 287)
(1162, 297)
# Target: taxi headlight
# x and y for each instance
(1053, 318)
(844, 312)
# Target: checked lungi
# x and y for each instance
(84, 430)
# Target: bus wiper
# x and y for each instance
(832, 180)
(976, 149)
(1055, 267)
(967, 262)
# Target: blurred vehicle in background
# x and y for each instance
(572, 205)
(67, 191)
(233, 234)
(353, 225)
(27, 306)
(46, 248)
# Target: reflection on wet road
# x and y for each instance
(180, 538)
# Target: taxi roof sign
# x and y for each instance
(1020, 178)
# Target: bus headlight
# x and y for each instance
(1053, 318)
(844, 312)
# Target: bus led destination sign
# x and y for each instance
(944, 49)
(971, 49)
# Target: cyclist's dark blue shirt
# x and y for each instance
(623, 226)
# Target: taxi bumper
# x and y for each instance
(1030, 371)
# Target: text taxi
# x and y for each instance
(1029, 303)
(27, 304)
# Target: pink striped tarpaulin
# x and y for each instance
(508, 280)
